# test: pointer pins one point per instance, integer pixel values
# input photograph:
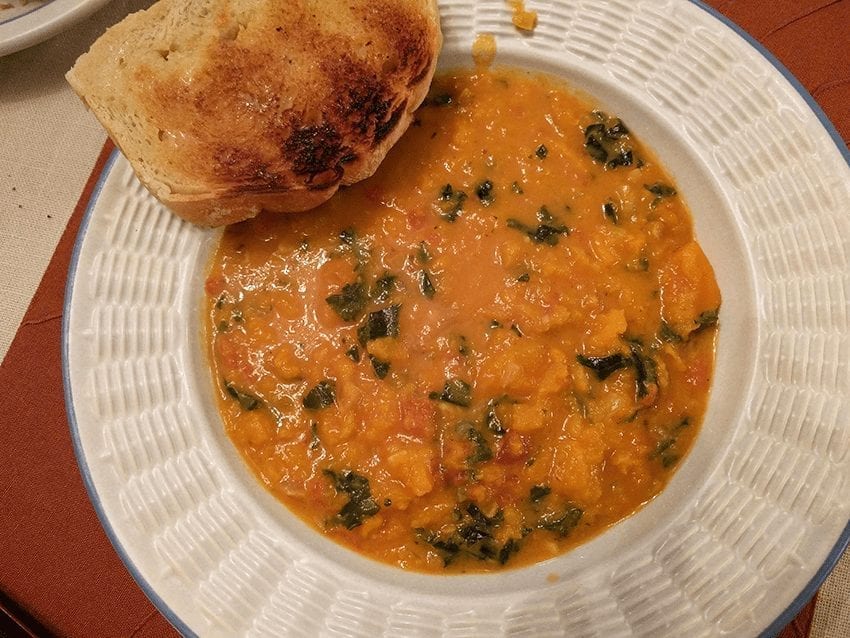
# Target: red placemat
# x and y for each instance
(59, 575)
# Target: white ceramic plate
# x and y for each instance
(23, 25)
(750, 524)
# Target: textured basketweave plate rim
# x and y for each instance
(201, 603)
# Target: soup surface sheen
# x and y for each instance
(492, 350)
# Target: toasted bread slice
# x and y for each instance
(225, 108)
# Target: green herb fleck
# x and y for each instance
(484, 192)
(474, 536)
(510, 547)
(349, 302)
(609, 210)
(456, 392)
(481, 449)
(383, 287)
(349, 242)
(565, 523)
(541, 152)
(360, 503)
(660, 189)
(492, 419)
(246, 401)
(664, 453)
(451, 203)
(426, 286)
(607, 141)
(640, 264)
(315, 441)
(645, 369)
(381, 368)
(667, 334)
(605, 366)
(538, 493)
(516, 188)
(321, 396)
(543, 234)
(524, 278)
(347, 236)
(476, 525)
(664, 448)
(449, 548)
(707, 318)
(423, 255)
(378, 324)
(353, 353)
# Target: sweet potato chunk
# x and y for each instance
(690, 296)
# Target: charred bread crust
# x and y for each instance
(228, 107)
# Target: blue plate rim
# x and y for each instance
(82, 463)
(844, 538)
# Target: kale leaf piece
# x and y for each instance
(360, 505)
(474, 536)
(607, 141)
(320, 396)
(349, 302)
(565, 523)
(604, 367)
(378, 324)
(456, 392)
(246, 401)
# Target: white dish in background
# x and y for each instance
(24, 25)
(753, 519)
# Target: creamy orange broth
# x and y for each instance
(486, 354)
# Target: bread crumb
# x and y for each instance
(523, 19)
(484, 49)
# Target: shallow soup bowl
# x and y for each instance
(751, 521)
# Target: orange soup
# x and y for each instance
(486, 354)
